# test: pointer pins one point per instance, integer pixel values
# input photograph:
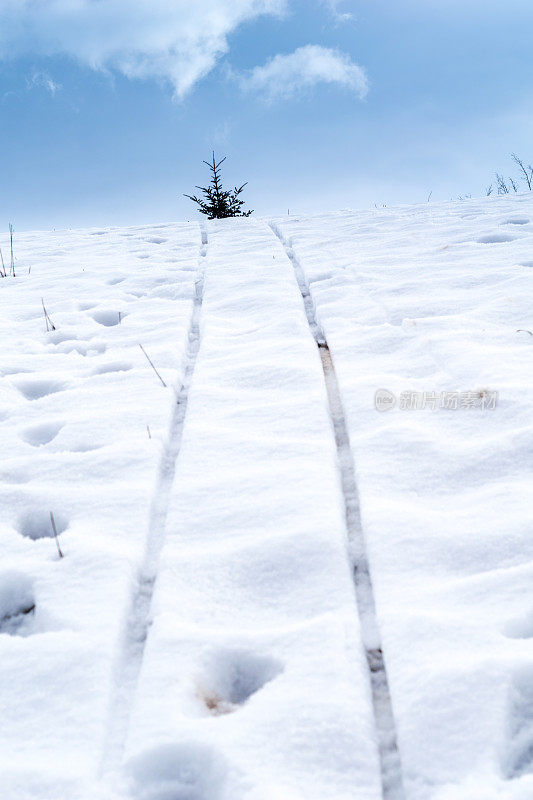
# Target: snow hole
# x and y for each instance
(17, 604)
(233, 676)
(38, 435)
(34, 389)
(107, 318)
(495, 238)
(517, 221)
(521, 628)
(117, 366)
(184, 771)
(518, 758)
(85, 447)
(36, 524)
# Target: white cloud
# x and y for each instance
(175, 40)
(334, 7)
(286, 75)
(43, 80)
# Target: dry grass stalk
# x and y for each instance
(152, 365)
(49, 324)
(52, 520)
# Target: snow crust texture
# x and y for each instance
(196, 630)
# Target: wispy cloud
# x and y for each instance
(220, 136)
(43, 80)
(287, 75)
(336, 8)
(178, 41)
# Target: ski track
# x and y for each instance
(137, 622)
(390, 762)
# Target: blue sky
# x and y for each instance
(108, 107)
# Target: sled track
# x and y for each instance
(391, 770)
(137, 623)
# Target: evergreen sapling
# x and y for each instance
(219, 203)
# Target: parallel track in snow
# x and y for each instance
(137, 623)
(390, 763)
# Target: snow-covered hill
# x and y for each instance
(270, 589)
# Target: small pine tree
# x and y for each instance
(219, 203)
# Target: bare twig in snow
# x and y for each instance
(49, 324)
(52, 520)
(152, 365)
(11, 231)
(500, 183)
(528, 176)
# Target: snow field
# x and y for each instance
(254, 682)
(438, 298)
(76, 403)
(200, 639)
(390, 764)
